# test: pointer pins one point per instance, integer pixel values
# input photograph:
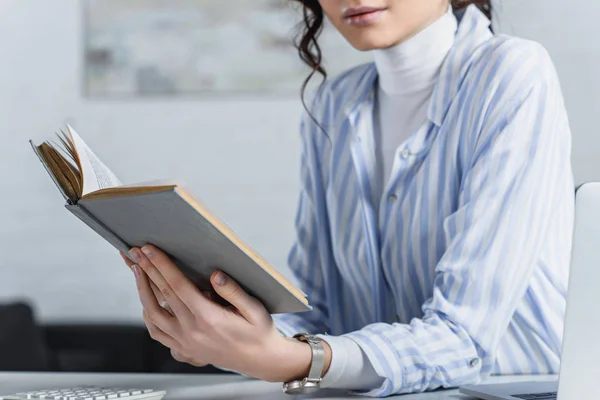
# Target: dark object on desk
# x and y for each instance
(97, 348)
(112, 348)
(26, 345)
(22, 345)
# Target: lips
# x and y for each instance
(364, 16)
(359, 11)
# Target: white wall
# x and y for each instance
(240, 155)
(568, 29)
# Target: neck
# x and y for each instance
(413, 65)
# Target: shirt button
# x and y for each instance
(405, 153)
(392, 198)
(474, 362)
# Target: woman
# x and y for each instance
(434, 222)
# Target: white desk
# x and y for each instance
(196, 387)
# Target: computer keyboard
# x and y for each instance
(88, 393)
(536, 396)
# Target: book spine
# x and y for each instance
(101, 229)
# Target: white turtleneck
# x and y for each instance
(407, 75)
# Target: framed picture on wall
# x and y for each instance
(181, 47)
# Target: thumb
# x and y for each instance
(248, 307)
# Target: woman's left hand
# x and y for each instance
(241, 337)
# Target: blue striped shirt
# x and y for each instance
(461, 271)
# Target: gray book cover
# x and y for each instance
(164, 215)
(172, 221)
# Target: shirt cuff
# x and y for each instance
(350, 368)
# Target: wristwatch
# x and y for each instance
(312, 382)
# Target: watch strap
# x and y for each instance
(318, 356)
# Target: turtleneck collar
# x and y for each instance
(413, 66)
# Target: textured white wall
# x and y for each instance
(240, 155)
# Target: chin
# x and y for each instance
(371, 41)
(367, 45)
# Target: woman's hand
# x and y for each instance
(241, 337)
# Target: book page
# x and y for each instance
(95, 174)
(155, 182)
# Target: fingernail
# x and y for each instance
(147, 251)
(135, 254)
(221, 279)
(136, 271)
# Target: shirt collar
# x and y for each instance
(473, 31)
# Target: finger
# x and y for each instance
(248, 307)
(127, 260)
(151, 263)
(157, 294)
(183, 359)
(153, 311)
(159, 335)
(173, 277)
(178, 357)
(159, 297)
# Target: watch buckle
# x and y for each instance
(313, 381)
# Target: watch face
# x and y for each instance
(300, 387)
(302, 390)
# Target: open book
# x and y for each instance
(166, 215)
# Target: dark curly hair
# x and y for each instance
(313, 17)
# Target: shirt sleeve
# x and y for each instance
(518, 170)
(350, 367)
(306, 255)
